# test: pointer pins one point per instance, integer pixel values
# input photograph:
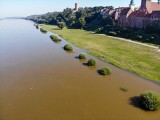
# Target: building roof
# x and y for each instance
(133, 14)
(152, 6)
(105, 9)
(141, 14)
(125, 11)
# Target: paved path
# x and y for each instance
(128, 40)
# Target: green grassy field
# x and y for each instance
(142, 60)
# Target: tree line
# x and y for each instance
(89, 18)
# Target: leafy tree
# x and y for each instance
(81, 22)
(80, 13)
(61, 25)
(89, 18)
(150, 100)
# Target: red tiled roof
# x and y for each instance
(105, 9)
(133, 13)
(141, 14)
(152, 6)
(120, 8)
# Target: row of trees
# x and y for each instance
(81, 19)
(89, 18)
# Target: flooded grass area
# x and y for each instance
(139, 59)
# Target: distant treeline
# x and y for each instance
(89, 18)
(71, 18)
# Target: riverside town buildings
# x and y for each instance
(139, 17)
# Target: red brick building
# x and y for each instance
(131, 16)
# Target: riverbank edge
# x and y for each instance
(94, 53)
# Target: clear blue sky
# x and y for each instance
(10, 8)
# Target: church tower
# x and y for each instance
(132, 5)
(76, 7)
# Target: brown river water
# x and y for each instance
(41, 81)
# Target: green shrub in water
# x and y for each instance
(37, 27)
(43, 30)
(68, 47)
(91, 62)
(124, 89)
(104, 71)
(55, 38)
(150, 100)
(82, 56)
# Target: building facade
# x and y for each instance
(139, 17)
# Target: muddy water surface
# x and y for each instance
(40, 81)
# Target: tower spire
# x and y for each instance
(132, 5)
(132, 2)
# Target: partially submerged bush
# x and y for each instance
(82, 56)
(91, 62)
(55, 38)
(104, 71)
(37, 26)
(43, 30)
(124, 89)
(68, 47)
(150, 100)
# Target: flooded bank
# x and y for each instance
(41, 81)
